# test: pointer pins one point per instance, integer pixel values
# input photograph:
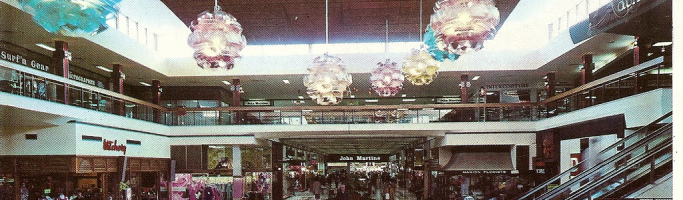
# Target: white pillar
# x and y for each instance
(238, 180)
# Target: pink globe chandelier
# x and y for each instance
(327, 80)
(386, 79)
(462, 26)
(216, 39)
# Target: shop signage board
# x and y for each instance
(506, 86)
(483, 172)
(113, 146)
(358, 158)
(257, 103)
(610, 15)
(447, 100)
(25, 60)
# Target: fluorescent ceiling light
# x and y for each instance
(227, 82)
(352, 96)
(257, 99)
(306, 110)
(301, 97)
(104, 68)
(408, 100)
(402, 109)
(371, 100)
(475, 78)
(286, 81)
(403, 95)
(662, 44)
(145, 84)
(44, 46)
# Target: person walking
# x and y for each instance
(316, 188)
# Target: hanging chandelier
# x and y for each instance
(420, 68)
(435, 47)
(216, 39)
(386, 79)
(327, 80)
(71, 17)
(463, 25)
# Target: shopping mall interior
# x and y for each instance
(337, 99)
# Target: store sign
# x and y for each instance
(22, 60)
(622, 7)
(82, 79)
(507, 86)
(358, 158)
(447, 100)
(113, 146)
(258, 103)
(485, 171)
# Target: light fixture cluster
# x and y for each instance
(71, 17)
(386, 79)
(461, 26)
(420, 68)
(216, 39)
(327, 80)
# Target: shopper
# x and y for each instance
(316, 188)
(343, 194)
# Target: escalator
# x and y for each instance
(625, 166)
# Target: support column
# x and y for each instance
(117, 86)
(586, 77)
(238, 179)
(277, 179)
(156, 99)
(464, 85)
(550, 84)
(61, 57)
(587, 70)
(236, 85)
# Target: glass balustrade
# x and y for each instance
(648, 76)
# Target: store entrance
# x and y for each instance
(353, 168)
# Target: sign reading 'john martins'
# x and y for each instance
(358, 158)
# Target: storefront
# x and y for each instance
(481, 172)
(207, 172)
(95, 177)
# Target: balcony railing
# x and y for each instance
(23, 81)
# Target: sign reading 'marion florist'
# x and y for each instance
(109, 145)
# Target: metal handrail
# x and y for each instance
(609, 148)
(606, 79)
(602, 164)
(621, 170)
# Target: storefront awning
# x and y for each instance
(479, 163)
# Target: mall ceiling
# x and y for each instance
(303, 21)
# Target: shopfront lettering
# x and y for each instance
(367, 158)
(19, 59)
(622, 5)
(485, 172)
(507, 86)
(358, 158)
(113, 146)
(346, 158)
(78, 78)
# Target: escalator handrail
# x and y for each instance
(622, 169)
(609, 161)
(609, 148)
